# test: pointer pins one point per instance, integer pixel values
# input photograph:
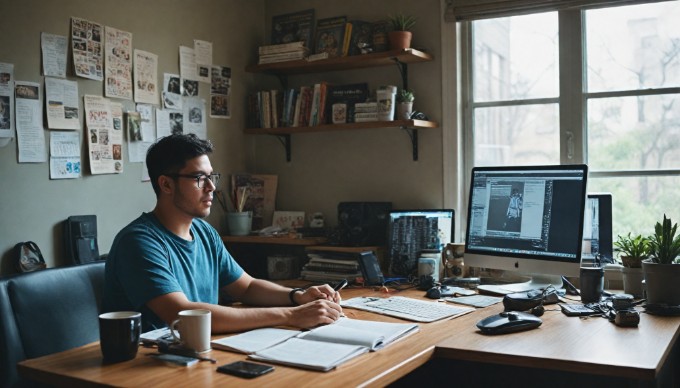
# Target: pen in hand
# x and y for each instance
(340, 285)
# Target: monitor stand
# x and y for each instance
(537, 281)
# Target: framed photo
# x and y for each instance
(288, 219)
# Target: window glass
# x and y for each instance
(516, 57)
(633, 47)
(517, 135)
(634, 133)
(638, 203)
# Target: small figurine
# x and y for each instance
(316, 221)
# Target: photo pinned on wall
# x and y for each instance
(134, 126)
(172, 91)
(220, 91)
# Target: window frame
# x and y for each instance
(572, 100)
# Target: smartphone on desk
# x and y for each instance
(245, 369)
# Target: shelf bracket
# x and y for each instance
(283, 79)
(285, 142)
(413, 134)
(403, 70)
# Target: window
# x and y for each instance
(531, 99)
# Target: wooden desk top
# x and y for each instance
(83, 366)
(584, 345)
(592, 345)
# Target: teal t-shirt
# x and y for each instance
(146, 260)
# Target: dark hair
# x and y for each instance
(169, 154)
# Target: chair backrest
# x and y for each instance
(46, 312)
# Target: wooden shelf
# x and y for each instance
(344, 127)
(280, 240)
(363, 61)
(400, 58)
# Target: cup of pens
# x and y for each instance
(239, 222)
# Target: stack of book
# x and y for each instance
(326, 266)
(283, 52)
(365, 111)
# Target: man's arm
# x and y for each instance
(315, 311)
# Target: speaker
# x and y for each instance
(363, 223)
(282, 267)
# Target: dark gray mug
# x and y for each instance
(592, 284)
(119, 333)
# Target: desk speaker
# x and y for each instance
(363, 223)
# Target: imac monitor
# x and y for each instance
(597, 229)
(527, 219)
(412, 231)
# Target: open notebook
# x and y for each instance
(322, 348)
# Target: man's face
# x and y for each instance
(187, 196)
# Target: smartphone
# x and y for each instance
(175, 359)
(245, 369)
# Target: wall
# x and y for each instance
(326, 168)
(372, 165)
(32, 206)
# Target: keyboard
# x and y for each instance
(406, 308)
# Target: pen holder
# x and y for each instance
(239, 223)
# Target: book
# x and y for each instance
(317, 57)
(379, 35)
(306, 93)
(282, 48)
(350, 95)
(330, 36)
(322, 348)
(293, 27)
(361, 37)
(346, 39)
(281, 57)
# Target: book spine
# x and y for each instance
(296, 117)
(282, 48)
(274, 96)
(347, 39)
(267, 109)
(316, 99)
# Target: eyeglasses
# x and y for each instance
(201, 179)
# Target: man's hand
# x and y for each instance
(317, 292)
(315, 313)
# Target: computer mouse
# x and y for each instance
(434, 293)
(508, 322)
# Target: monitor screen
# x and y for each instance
(527, 219)
(412, 231)
(597, 229)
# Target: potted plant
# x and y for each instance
(400, 36)
(662, 276)
(405, 99)
(632, 250)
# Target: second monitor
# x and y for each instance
(412, 231)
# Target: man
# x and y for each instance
(171, 260)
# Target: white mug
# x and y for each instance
(194, 329)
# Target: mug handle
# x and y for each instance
(172, 331)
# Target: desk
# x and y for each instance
(562, 344)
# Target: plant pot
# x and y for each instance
(632, 281)
(404, 110)
(399, 40)
(661, 281)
